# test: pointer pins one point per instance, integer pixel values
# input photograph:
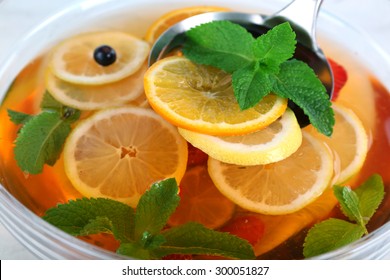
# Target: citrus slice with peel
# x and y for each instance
(275, 142)
(73, 59)
(201, 99)
(349, 143)
(173, 17)
(278, 188)
(94, 97)
(201, 201)
(118, 153)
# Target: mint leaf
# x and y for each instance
(221, 44)
(48, 102)
(349, 203)
(155, 207)
(261, 66)
(87, 216)
(40, 140)
(370, 195)
(250, 85)
(330, 235)
(194, 238)
(298, 82)
(18, 117)
(134, 250)
(276, 46)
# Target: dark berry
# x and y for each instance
(104, 55)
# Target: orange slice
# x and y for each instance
(172, 17)
(118, 153)
(201, 201)
(201, 99)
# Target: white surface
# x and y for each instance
(17, 16)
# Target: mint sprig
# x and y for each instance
(141, 231)
(41, 137)
(358, 205)
(261, 66)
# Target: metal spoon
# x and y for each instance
(301, 14)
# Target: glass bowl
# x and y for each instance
(48, 242)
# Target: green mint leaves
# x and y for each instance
(41, 137)
(358, 205)
(261, 66)
(141, 231)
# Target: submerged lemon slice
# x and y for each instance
(201, 99)
(201, 201)
(278, 188)
(94, 97)
(349, 143)
(73, 60)
(275, 142)
(118, 153)
(172, 17)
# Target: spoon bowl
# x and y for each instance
(301, 14)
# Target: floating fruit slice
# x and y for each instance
(73, 60)
(277, 188)
(275, 142)
(349, 143)
(172, 17)
(94, 97)
(118, 153)
(201, 201)
(201, 99)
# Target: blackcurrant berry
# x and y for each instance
(104, 55)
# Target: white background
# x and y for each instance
(16, 16)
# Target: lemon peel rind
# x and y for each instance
(101, 38)
(281, 146)
(71, 142)
(322, 183)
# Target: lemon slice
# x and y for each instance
(349, 143)
(172, 17)
(118, 153)
(93, 97)
(73, 59)
(275, 142)
(277, 188)
(201, 99)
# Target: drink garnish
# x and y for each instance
(41, 138)
(358, 205)
(261, 66)
(141, 231)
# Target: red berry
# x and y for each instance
(247, 227)
(196, 156)
(340, 77)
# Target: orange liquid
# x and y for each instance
(42, 191)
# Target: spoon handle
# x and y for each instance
(301, 14)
